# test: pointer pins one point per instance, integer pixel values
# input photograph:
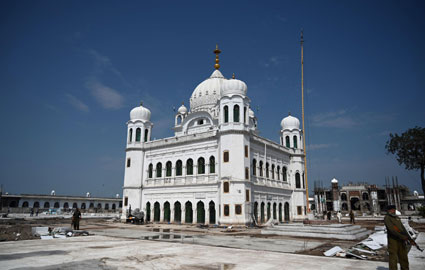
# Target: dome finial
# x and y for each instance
(233, 76)
(141, 103)
(216, 52)
(289, 113)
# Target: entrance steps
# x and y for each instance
(334, 231)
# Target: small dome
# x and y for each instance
(140, 113)
(251, 113)
(334, 181)
(208, 92)
(290, 122)
(182, 109)
(234, 87)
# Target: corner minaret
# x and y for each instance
(139, 132)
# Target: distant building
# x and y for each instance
(216, 168)
(364, 198)
(24, 202)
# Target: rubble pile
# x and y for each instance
(46, 233)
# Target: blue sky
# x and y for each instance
(71, 71)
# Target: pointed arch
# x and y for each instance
(138, 134)
(189, 167)
(201, 165)
(150, 171)
(159, 170)
(226, 114)
(295, 142)
(236, 113)
(212, 164)
(168, 168)
(288, 143)
(179, 168)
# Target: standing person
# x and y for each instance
(397, 240)
(76, 219)
(352, 220)
(32, 212)
(339, 216)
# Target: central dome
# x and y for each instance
(207, 93)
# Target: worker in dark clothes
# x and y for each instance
(76, 219)
(398, 240)
(352, 220)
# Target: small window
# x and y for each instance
(238, 209)
(226, 210)
(159, 170)
(125, 201)
(168, 168)
(128, 162)
(254, 167)
(146, 134)
(247, 195)
(226, 114)
(150, 171)
(138, 134)
(212, 164)
(226, 156)
(295, 142)
(201, 122)
(236, 113)
(130, 136)
(246, 150)
(246, 173)
(189, 167)
(201, 165)
(179, 166)
(299, 210)
(226, 187)
(297, 180)
(288, 144)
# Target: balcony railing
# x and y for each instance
(182, 180)
(263, 181)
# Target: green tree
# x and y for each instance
(409, 147)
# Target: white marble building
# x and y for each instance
(216, 169)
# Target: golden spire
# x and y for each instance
(217, 52)
(233, 76)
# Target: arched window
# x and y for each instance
(75, 205)
(91, 206)
(179, 168)
(244, 115)
(343, 197)
(278, 172)
(36, 205)
(179, 119)
(130, 137)
(158, 169)
(138, 134)
(261, 168)
(295, 142)
(201, 165)
(365, 196)
(226, 187)
(297, 180)
(284, 176)
(212, 164)
(267, 169)
(99, 206)
(46, 205)
(25, 204)
(189, 167)
(288, 143)
(83, 206)
(146, 134)
(272, 171)
(56, 205)
(150, 171)
(106, 206)
(236, 113)
(226, 114)
(114, 206)
(66, 205)
(254, 166)
(168, 168)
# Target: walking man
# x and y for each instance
(352, 220)
(397, 240)
(339, 216)
(76, 219)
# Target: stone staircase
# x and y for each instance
(334, 231)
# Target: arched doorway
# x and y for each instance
(148, 211)
(46, 205)
(200, 212)
(280, 212)
(211, 207)
(177, 212)
(36, 205)
(269, 214)
(56, 205)
(274, 211)
(25, 204)
(74, 205)
(256, 211)
(188, 212)
(286, 211)
(262, 213)
(355, 203)
(156, 212)
(65, 205)
(167, 212)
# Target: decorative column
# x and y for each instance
(172, 214)
(161, 214)
(183, 217)
(207, 216)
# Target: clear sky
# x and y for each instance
(71, 71)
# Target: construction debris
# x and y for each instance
(333, 251)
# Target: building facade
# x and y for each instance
(216, 169)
